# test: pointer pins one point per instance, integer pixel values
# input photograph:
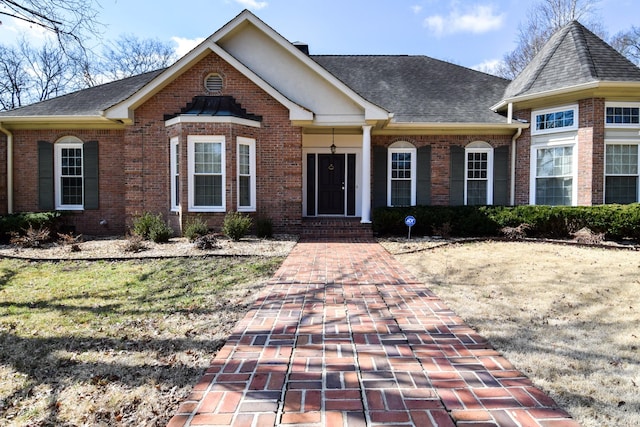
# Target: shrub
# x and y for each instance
(194, 228)
(134, 243)
(264, 228)
(160, 232)
(142, 224)
(236, 225)
(20, 222)
(32, 237)
(207, 241)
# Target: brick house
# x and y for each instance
(249, 122)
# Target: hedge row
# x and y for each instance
(617, 222)
(18, 223)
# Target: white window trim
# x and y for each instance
(252, 172)
(191, 141)
(402, 147)
(623, 105)
(534, 159)
(489, 151)
(604, 186)
(174, 153)
(536, 113)
(70, 142)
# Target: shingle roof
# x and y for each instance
(572, 56)
(419, 88)
(87, 102)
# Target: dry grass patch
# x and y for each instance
(567, 316)
(115, 343)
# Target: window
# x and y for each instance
(401, 189)
(622, 114)
(246, 174)
(553, 175)
(69, 176)
(555, 120)
(206, 166)
(175, 174)
(621, 173)
(478, 174)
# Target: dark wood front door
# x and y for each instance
(331, 184)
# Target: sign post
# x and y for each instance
(409, 221)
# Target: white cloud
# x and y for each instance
(489, 66)
(252, 4)
(416, 9)
(479, 19)
(185, 45)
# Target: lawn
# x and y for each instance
(115, 343)
(567, 316)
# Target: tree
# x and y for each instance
(628, 44)
(545, 18)
(70, 21)
(31, 74)
(129, 56)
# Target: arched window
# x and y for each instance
(401, 173)
(478, 172)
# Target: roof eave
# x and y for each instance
(453, 128)
(597, 87)
(58, 121)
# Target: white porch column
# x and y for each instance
(366, 174)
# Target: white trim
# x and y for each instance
(479, 147)
(186, 118)
(66, 142)
(174, 150)
(402, 147)
(365, 192)
(252, 173)
(560, 109)
(558, 143)
(191, 141)
(622, 105)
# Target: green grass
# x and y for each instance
(114, 342)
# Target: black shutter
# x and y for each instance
(456, 176)
(379, 176)
(311, 185)
(423, 196)
(90, 160)
(501, 176)
(45, 176)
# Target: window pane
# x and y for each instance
(208, 190)
(401, 193)
(401, 165)
(621, 189)
(71, 191)
(245, 190)
(557, 119)
(557, 161)
(554, 191)
(244, 164)
(208, 157)
(621, 160)
(623, 115)
(477, 192)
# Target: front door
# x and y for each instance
(331, 184)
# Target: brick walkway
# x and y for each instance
(345, 336)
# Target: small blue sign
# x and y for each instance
(410, 221)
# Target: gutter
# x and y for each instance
(513, 165)
(9, 168)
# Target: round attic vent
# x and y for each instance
(213, 83)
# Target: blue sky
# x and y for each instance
(465, 32)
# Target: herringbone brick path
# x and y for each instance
(344, 336)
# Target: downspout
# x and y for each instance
(9, 168)
(514, 138)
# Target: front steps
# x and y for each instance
(335, 228)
